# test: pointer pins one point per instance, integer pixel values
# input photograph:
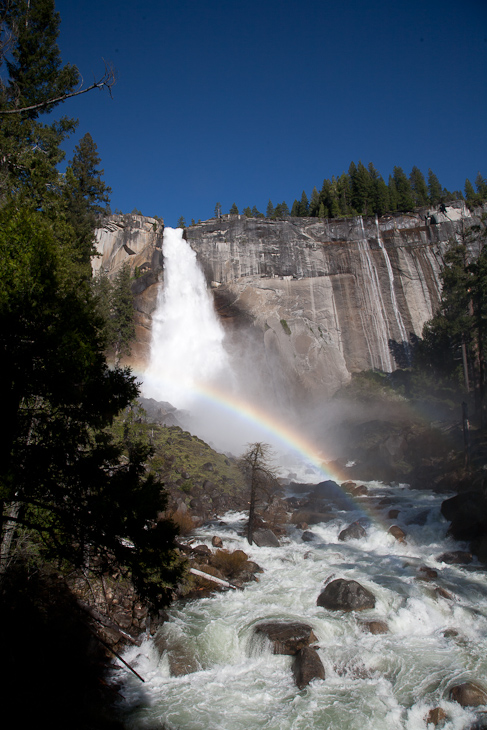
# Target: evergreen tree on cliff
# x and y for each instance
(62, 476)
(85, 194)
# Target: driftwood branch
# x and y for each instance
(106, 82)
(212, 578)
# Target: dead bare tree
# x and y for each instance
(256, 464)
(106, 81)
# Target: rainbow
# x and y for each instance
(263, 419)
(278, 431)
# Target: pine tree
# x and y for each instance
(303, 205)
(31, 150)
(62, 476)
(405, 199)
(419, 187)
(434, 189)
(361, 195)
(481, 185)
(234, 209)
(380, 192)
(314, 204)
(122, 313)
(85, 194)
(269, 210)
(470, 194)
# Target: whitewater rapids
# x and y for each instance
(373, 682)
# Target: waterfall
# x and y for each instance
(374, 310)
(397, 314)
(187, 350)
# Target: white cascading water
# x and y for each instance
(374, 311)
(373, 682)
(187, 337)
(397, 313)
(189, 366)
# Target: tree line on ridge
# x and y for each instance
(363, 191)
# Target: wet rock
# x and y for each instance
(468, 694)
(286, 637)
(307, 666)
(375, 627)
(436, 716)
(360, 491)
(442, 593)
(201, 550)
(311, 517)
(426, 573)
(450, 633)
(398, 533)
(455, 557)
(345, 595)
(330, 492)
(467, 513)
(216, 541)
(353, 532)
(393, 514)
(265, 538)
(181, 659)
(308, 536)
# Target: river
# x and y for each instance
(373, 682)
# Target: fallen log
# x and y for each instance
(212, 578)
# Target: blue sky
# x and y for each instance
(249, 101)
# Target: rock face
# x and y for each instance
(345, 595)
(320, 298)
(136, 241)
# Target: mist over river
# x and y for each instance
(437, 631)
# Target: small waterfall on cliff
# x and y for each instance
(374, 314)
(397, 313)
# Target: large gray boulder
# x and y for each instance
(345, 595)
(353, 532)
(265, 538)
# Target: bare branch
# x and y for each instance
(105, 82)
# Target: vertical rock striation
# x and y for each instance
(313, 300)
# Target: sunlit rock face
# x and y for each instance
(134, 240)
(310, 300)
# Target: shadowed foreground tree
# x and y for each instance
(79, 495)
(256, 464)
(63, 477)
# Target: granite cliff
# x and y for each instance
(308, 300)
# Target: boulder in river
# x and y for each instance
(455, 557)
(345, 595)
(265, 538)
(353, 532)
(287, 637)
(436, 716)
(468, 694)
(398, 533)
(307, 666)
(375, 627)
